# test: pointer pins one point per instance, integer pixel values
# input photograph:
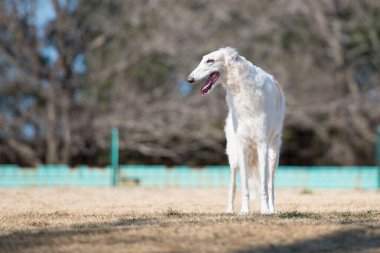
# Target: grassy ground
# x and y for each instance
(185, 220)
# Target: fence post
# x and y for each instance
(115, 155)
(378, 147)
(378, 156)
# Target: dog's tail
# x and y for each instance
(253, 184)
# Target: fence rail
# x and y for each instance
(161, 176)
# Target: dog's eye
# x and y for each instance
(210, 61)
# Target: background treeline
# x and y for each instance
(100, 64)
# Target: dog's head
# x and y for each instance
(213, 69)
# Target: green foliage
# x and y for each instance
(152, 71)
(295, 215)
(171, 212)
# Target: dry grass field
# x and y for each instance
(185, 220)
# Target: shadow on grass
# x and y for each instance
(354, 240)
(19, 241)
(351, 240)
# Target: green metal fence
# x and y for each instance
(311, 177)
(54, 175)
(161, 176)
(378, 147)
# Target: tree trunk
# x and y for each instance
(51, 126)
(66, 155)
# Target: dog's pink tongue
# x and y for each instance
(205, 88)
(209, 82)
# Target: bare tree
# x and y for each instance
(48, 85)
(135, 55)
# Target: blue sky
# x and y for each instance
(45, 13)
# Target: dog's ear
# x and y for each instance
(230, 55)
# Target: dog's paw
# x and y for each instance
(266, 211)
(229, 210)
(244, 211)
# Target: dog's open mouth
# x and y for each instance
(211, 79)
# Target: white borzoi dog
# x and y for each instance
(254, 124)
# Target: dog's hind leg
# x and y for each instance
(273, 158)
(253, 174)
(262, 153)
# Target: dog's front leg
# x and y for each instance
(231, 191)
(243, 165)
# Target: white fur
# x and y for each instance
(253, 127)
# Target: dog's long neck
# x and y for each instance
(234, 83)
(242, 81)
